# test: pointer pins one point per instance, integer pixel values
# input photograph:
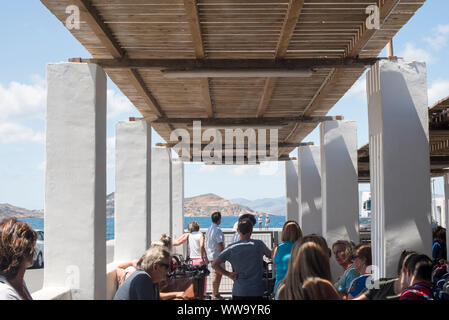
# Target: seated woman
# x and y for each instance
(343, 251)
(361, 262)
(142, 284)
(17, 245)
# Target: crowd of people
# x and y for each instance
(301, 266)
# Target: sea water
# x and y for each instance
(204, 222)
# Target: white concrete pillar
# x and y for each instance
(310, 213)
(178, 201)
(75, 180)
(291, 184)
(339, 184)
(132, 189)
(161, 193)
(399, 161)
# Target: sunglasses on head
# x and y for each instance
(166, 265)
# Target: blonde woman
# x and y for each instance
(197, 251)
(307, 260)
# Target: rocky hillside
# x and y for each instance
(206, 204)
(203, 205)
(8, 210)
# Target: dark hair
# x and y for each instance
(420, 266)
(319, 240)
(17, 242)
(291, 231)
(404, 255)
(364, 251)
(216, 216)
(245, 226)
(440, 234)
(248, 216)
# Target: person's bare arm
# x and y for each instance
(203, 249)
(361, 297)
(220, 246)
(175, 295)
(218, 268)
(182, 239)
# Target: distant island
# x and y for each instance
(199, 206)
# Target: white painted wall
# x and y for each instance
(161, 193)
(132, 189)
(399, 161)
(75, 180)
(310, 213)
(339, 184)
(178, 201)
(291, 184)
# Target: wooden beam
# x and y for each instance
(191, 9)
(195, 28)
(140, 86)
(96, 24)
(327, 85)
(225, 146)
(231, 64)
(290, 21)
(386, 7)
(270, 83)
(236, 73)
(247, 121)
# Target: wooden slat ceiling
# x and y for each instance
(438, 144)
(234, 29)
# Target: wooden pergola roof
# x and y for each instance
(284, 61)
(438, 143)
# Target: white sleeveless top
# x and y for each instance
(194, 244)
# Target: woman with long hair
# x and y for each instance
(291, 232)
(307, 261)
(17, 246)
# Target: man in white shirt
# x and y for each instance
(215, 245)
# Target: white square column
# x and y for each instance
(291, 185)
(161, 193)
(132, 189)
(310, 213)
(399, 162)
(339, 184)
(178, 201)
(75, 180)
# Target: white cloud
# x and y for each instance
(411, 52)
(12, 133)
(439, 37)
(438, 90)
(118, 104)
(24, 101)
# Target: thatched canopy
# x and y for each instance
(288, 62)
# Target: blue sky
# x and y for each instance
(33, 37)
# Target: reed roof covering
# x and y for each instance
(438, 143)
(308, 54)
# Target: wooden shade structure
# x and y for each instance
(438, 143)
(325, 43)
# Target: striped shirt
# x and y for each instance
(418, 291)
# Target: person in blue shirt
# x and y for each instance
(343, 250)
(439, 244)
(291, 232)
(361, 262)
